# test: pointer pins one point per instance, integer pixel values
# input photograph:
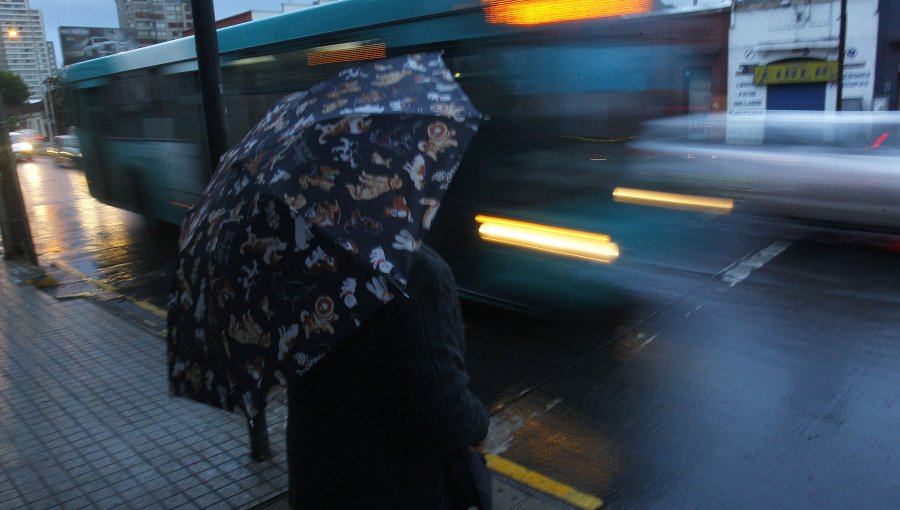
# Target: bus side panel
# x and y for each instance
(158, 179)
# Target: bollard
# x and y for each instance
(259, 437)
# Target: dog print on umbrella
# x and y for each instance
(307, 225)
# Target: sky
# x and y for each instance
(102, 13)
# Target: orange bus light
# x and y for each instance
(539, 12)
(560, 241)
(672, 200)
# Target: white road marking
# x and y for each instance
(739, 272)
(652, 338)
(553, 403)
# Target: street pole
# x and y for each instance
(48, 112)
(211, 88)
(842, 45)
(212, 92)
(14, 228)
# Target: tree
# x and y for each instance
(13, 89)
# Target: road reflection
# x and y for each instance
(110, 245)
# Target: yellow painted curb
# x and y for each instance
(148, 307)
(541, 483)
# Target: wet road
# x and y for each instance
(109, 245)
(759, 366)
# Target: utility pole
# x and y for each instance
(48, 112)
(842, 48)
(14, 226)
(211, 88)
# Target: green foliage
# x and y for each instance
(13, 89)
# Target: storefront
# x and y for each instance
(783, 55)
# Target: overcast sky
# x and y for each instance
(102, 13)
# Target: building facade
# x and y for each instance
(24, 49)
(887, 67)
(254, 15)
(783, 55)
(155, 21)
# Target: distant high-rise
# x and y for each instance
(155, 21)
(24, 48)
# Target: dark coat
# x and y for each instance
(373, 424)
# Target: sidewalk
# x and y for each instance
(86, 420)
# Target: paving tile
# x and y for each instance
(67, 494)
(131, 461)
(43, 504)
(77, 503)
(8, 495)
(196, 491)
(176, 500)
(187, 483)
(226, 491)
(105, 498)
(219, 505)
(158, 485)
(143, 501)
(31, 487)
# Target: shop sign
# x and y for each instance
(795, 72)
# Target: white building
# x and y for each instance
(24, 48)
(783, 55)
(155, 21)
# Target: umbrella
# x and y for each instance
(308, 226)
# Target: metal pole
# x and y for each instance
(48, 111)
(14, 226)
(211, 88)
(212, 92)
(842, 44)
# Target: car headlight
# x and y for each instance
(27, 147)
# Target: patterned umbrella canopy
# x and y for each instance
(308, 226)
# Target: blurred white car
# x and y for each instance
(66, 151)
(22, 148)
(835, 167)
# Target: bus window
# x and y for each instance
(127, 104)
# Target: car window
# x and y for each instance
(15, 137)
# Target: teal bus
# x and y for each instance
(564, 85)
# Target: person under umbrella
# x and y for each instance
(308, 234)
(386, 420)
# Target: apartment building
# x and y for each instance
(24, 49)
(155, 21)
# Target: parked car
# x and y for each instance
(21, 147)
(827, 167)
